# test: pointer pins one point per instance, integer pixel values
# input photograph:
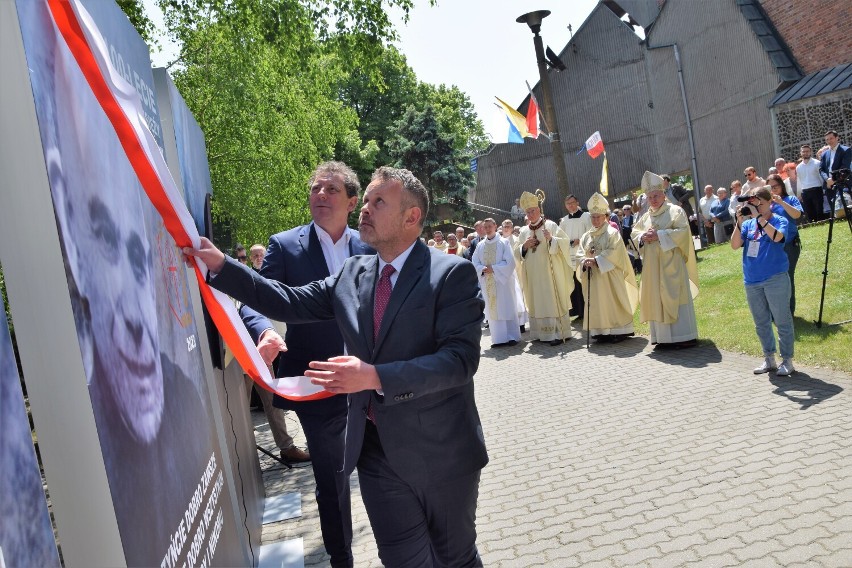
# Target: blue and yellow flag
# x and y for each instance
(517, 123)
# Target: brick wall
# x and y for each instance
(818, 33)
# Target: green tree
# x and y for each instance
(135, 12)
(457, 115)
(420, 144)
(267, 110)
(380, 99)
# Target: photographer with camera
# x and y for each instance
(789, 207)
(762, 234)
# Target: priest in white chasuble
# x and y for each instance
(542, 253)
(669, 270)
(606, 277)
(495, 267)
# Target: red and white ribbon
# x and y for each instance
(122, 106)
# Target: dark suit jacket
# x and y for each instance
(426, 354)
(842, 159)
(682, 195)
(295, 258)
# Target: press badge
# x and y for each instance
(753, 247)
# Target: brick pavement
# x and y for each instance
(621, 456)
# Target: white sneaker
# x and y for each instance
(786, 368)
(768, 365)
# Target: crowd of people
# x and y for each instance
(358, 302)
(544, 273)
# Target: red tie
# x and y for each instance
(383, 293)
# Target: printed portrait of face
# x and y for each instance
(108, 258)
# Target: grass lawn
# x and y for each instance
(724, 318)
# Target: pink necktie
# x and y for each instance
(383, 293)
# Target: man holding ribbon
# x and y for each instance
(413, 429)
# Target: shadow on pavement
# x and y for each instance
(627, 348)
(803, 389)
(702, 355)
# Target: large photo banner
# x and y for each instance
(136, 329)
(26, 535)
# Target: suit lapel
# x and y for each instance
(309, 241)
(366, 283)
(411, 272)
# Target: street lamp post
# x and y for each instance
(533, 20)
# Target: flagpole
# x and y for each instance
(533, 20)
(538, 109)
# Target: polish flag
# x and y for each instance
(532, 116)
(594, 145)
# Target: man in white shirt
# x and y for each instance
(297, 257)
(704, 205)
(810, 184)
(575, 224)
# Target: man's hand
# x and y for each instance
(488, 270)
(344, 374)
(589, 262)
(270, 345)
(650, 235)
(829, 183)
(209, 255)
(531, 242)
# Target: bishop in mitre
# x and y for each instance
(542, 253)
(495, 267)
(669, 270)
(606, 276)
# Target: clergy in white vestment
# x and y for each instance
(495, 267)
(507, 233)
(542, 253)
(669, 270)
(606, 276)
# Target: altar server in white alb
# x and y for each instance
(542, 254)
(495, 267)
(606, 276)
(669, 270)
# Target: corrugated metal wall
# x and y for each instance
(631, 94)
(729, 82)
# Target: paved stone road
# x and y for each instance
(622, 456)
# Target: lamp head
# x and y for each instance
(533, 19)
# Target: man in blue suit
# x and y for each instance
(411, 324)
(837, 157)
(297, 257)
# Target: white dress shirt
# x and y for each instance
(335, 253)
(807, 174)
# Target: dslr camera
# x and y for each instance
(746, 210)
(842, 178)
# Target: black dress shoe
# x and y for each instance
(555, 342)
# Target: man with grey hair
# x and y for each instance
(704, 205)
(720, 216)
(413, 429)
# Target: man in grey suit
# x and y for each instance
(411, 324)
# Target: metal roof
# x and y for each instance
(821, 82)
(773, 44)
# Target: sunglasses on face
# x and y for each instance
(242, 258)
